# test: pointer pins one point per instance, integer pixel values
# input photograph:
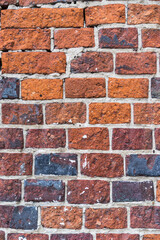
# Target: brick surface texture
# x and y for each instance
(80, 120)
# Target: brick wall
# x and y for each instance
(80, 120)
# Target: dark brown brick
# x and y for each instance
(11, 138)
(80, 236)
(155, 87)
(20, 236)
(10, 190)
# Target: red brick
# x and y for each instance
(147, 113)
(118, 38)
(11, 138)
(27, 114)
(15, 39)
(105, 113)
(18, 236)
(45, 138)
(73, 38)
(111, 13)
(92, 62)
(41, 89)
(131, 139)
(65, 113)
(128, 88)
(61, 217)
(157, 137)
(136, 63)
(32, 18)
(85, 87)
(2, 235)
(145, 217)
(150, 38)
(102, 165)
(16, 164)
(44, 190)
(89, 138)
(151, 237)
(6, 3)
(111, 218)
(33, 62)
(10, 190)
(78, 236)
(88, 191)
(158, 191)
(139, 13)
(112, 236)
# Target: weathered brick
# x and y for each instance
(102, 165)
(28, 114)
(151, 237)
(145, 217)
(10, 190)
(32, 18)
(65, 113)
(16, 164)
(33, 62)
(41, 89)
(147, 113)
(7, 2)
(143, 165)
(45, 138)
(112, 218)
(139, 14)
(92, 62)
(9, 88)
(2, 235)
(88, 191)
(155, 87)
(56, 164)
(158, 191)
(85, 87)
(61, 217)
(89, 138)
(131, 139)
(122, 236)
(44, 190)
(34, 2)
(73, 38)
(111, 13)
(128, 88)
(14, 39)
(11, 138)
(157, 137)
(118, 38)
(105, 113)
(136, 63)
(132, 191)
(20, 236)
(18, 217)
(80, 236)
(150, 38)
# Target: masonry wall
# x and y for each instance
(80, 120)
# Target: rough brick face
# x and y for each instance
(65, 113)
(128, 88)
(33, 62)
(11, 138)
(17, 236)
(2, 235)
(85, 87)
(10, 190)
(27, 114)
(9, 88)
(88, 192)
(155, 88)
(70, 38)
(89, 138)
(61, 217)
(111, 218)
(105, 113)
(136, 63)
(41, 89)
(157, 138)
(80, 236)
(45, 138)
(151, 237)
(150, 38)
(122, 236)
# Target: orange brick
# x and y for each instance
(158, 193)
(147, 113)
(37, 89)
(14, 39)
(111, 13)
(150, 38)
(61, 217)
(72, 38)
(33, 62)
(65, 113)
(105, 113)
(42, 18)
(128, 88)
(121, 236)
(139, 13)
(151, 237)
